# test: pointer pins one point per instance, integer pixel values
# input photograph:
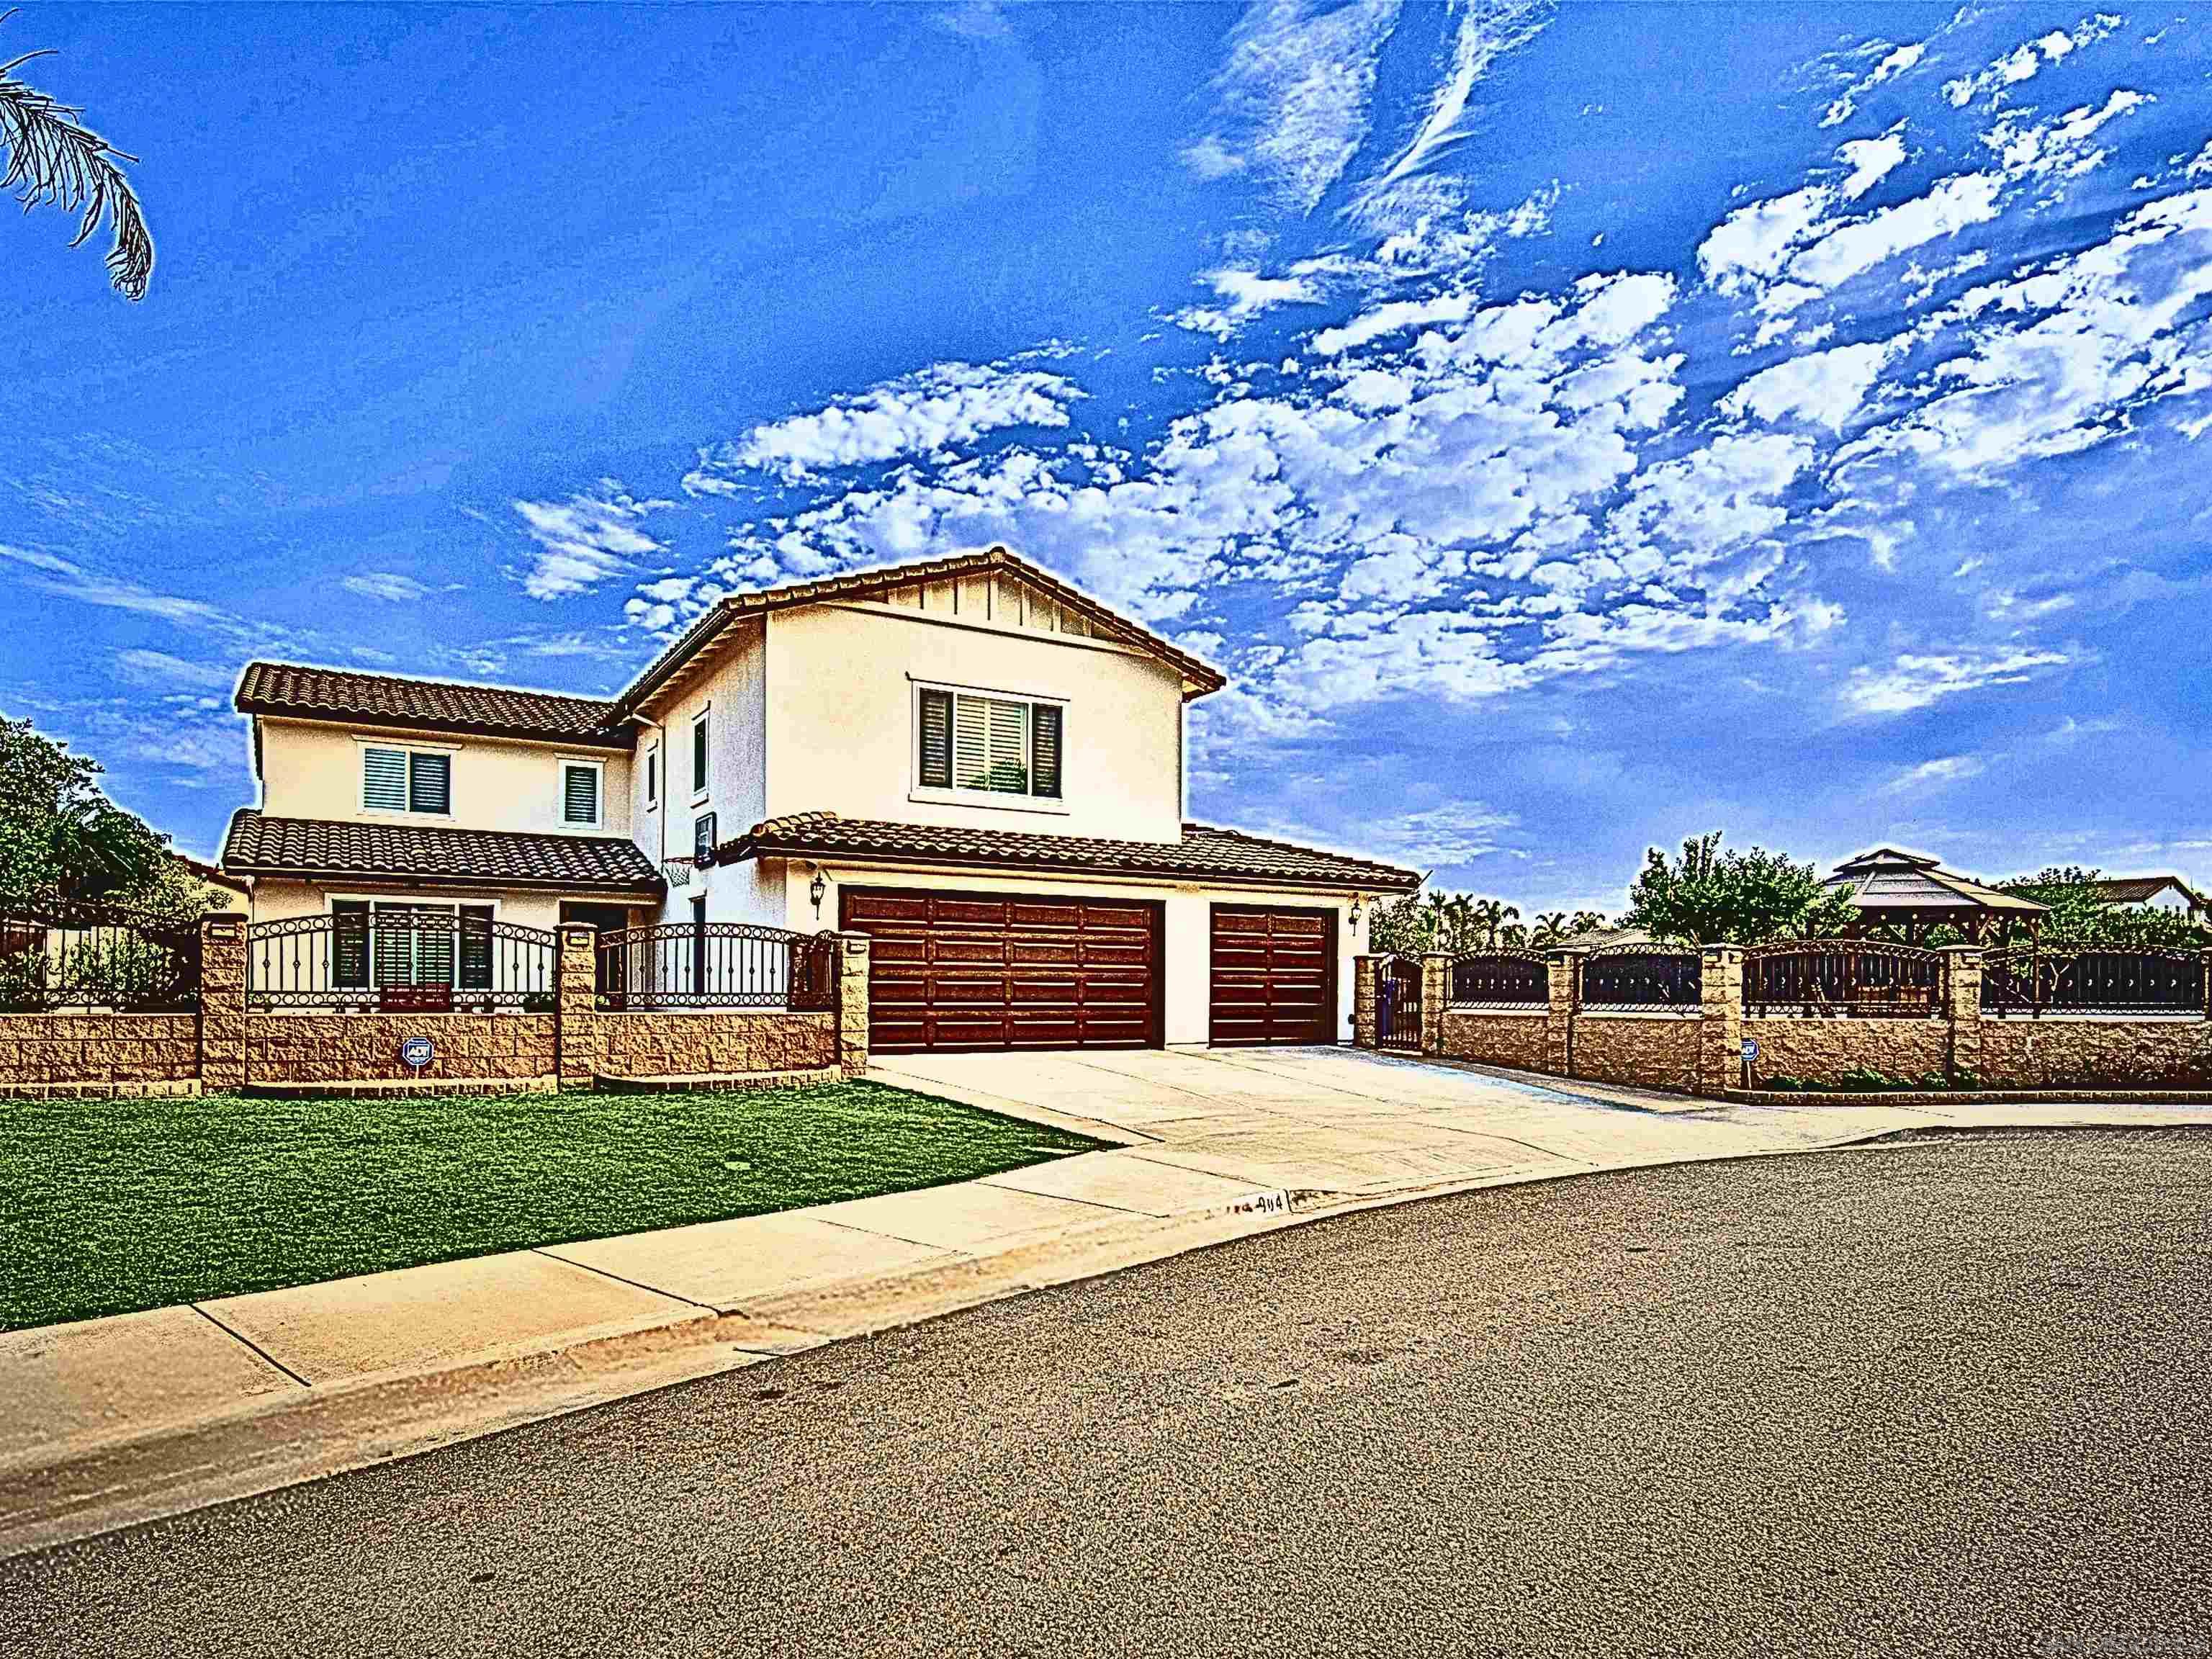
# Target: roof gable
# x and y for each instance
(996, 586)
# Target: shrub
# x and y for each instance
(1786, 1085)
(1865, 1079)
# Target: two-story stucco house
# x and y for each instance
(965, 758)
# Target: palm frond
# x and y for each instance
(54, 159)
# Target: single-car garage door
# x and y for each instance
(1274, 975)
(994, 971)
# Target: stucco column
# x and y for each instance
(1560, 981)
(1436, 991)
(223, 1001)
(1365, 972)
(1962, 980)
(576, 1005)
(852, 1003)
(1720, 1033)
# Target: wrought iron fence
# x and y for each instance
(1398, 1004)
(2032, 981)
(1641, 979)
(716, 965)
(61, 954)
(1510, 979)
(401, 958)
(1844, 979)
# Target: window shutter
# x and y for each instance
(429, 783)
(1010, 747)
(580, 802)
(384, 779)
(476, 947)
(971, 743)
(350, 949)
(937, 739)
(1044, 745)
(393, 937)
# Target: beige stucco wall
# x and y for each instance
(310, 770)
(1186, 924)
(1497, 1037)
(840, 722)
(2055, 1050)
(1823, 1050)
(273, 899)
(98, 1047)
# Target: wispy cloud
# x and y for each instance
(1916, 682)
(160, 668)
(49, 573)
(585, 540)
(1929, 774)
(386, 585)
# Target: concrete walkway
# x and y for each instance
(115, 1421)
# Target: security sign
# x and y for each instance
(418, 1051)
(1750, 1049)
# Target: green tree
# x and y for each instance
(2080, 917)
(1551, 927)
(61, 838)
(1586, 921)
(1457, 922)
(1710, 897)
(54, 160)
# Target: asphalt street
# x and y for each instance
(1948, 1396)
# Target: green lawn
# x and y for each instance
(108, 1205)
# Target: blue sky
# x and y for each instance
(1573, 427)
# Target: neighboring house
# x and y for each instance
(2156, 892)
(965, 758)
(224, 893)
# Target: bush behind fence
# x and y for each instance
(58, 955)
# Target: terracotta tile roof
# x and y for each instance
(318, 847)
(869, 584)
(1222, 856)
(343, 694)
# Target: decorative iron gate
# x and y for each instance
(1398, 1004)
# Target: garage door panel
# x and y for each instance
(1272, 976)
(972, 971)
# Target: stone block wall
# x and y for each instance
(295, 1047)
(700, 1042)
(1497, 1038)
(45, 1049)
(2059, 1051)
(1650, 1051)
(1823, 1050)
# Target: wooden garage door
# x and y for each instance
(991, 971)
(1274, 975)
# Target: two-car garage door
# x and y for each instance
(951, 971)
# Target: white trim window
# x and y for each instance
(701, 754)
(395, 780)
(652, 775)
(971, 743)
(383, 943)
(583, 794)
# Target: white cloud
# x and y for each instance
(158, 667)
(925, 413)
(1245, 295)
(1456, 833)
(1209, 159)
(1486, 33)
(49, 573)
(1392, 318)
(583, 541)
(2028, 60)
(383, 585)
(1916, 682)
(1295, 92)
(1870, 162)
(1824, 387)
(1948, 206)
(1894, 61)
(1949, 769)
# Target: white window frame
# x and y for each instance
(703, 786)
(405, 747)
(598, 768)
(999, 800)
(651, 776)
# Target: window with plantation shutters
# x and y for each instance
(580, 793)
(406, 781)
(994, 745)
(429, 783)
(384, 779)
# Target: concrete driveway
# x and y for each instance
(1329, 1120)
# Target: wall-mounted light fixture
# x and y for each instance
(816, 889)
(1356, 902)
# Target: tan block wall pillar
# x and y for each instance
(576, 1005)
(1562, 978)
(1962, 971)
(223, 1001)
(852, 1003)
(1436, 991)
(1720, 1035)
(1365, 970)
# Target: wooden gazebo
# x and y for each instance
(1903, 895)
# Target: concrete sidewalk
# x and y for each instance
(116, 1420)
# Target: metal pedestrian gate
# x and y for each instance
(1398, 1006)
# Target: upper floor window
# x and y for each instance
(999, 745)
(699, 753)
(406, 779)
(579, 792)
(653, 777)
